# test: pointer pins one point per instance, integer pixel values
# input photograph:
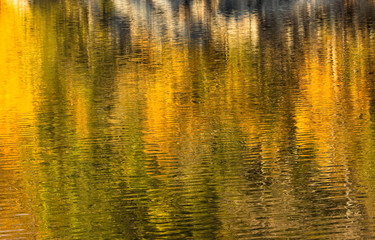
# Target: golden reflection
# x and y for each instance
(203, 119)
(20, 69)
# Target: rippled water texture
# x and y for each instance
(187, 119)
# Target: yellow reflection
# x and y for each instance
(20, 69)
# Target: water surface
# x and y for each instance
(191, 119)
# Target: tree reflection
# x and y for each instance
(190, 119)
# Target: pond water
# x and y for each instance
(187, 119)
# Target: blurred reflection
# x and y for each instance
(198, 119)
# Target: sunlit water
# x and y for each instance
(191, 119)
